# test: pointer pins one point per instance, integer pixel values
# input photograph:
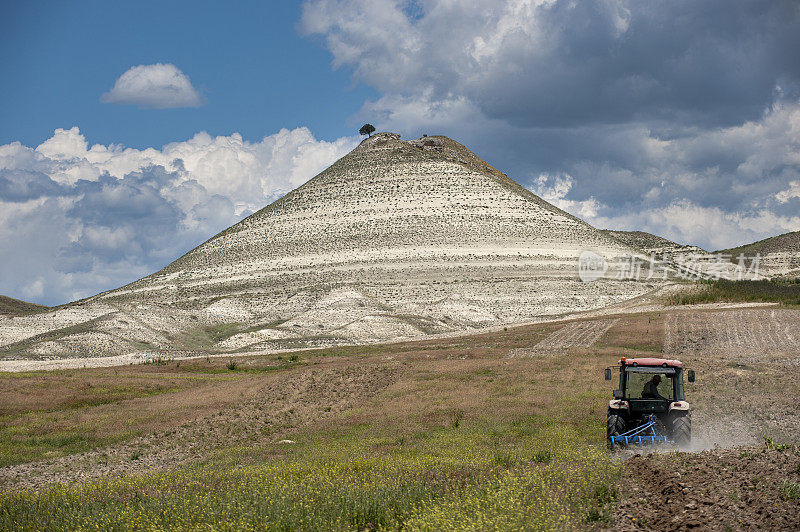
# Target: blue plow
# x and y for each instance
(647, 434)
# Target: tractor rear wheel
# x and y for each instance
(615, 426)
(682, 429)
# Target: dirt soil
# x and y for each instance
(730, 489)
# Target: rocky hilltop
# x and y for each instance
(397, 239)
(779, 255)
(649, 243)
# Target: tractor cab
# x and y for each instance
(651, 393)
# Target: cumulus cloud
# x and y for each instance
(680, 220)
(555, 188)
(76, 220)
(790, 193)
(679, 117)
(560, 63)
(158, 86)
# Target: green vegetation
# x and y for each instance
(158, 361)
(362, 478)
(40, 434)
(790, 491)
(24, 446)
(786, 292)
(367, 129)
(777, 446)
(223, 331)
(50, 414)
(207, 336)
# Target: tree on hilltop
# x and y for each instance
(367, 129)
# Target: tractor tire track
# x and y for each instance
(574, 334)
(740, 332)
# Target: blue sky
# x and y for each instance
(130, 132)
(247, 58)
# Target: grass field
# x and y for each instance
(786, 292)
(501, 475)
(432, 435)
(46, 414)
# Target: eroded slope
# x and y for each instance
(395, 240)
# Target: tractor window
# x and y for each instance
(637, 385)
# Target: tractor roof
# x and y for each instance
(651, 362)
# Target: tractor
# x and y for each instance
(649, 407)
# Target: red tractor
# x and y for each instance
(649, 406)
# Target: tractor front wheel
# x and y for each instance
(615, 426)
(682, 429)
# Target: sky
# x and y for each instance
(132, 132)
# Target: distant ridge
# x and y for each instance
(11, 306)
(780, 255)
(787, 242)
(649, 243)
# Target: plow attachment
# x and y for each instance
(644, 435)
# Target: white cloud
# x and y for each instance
(76, 220)
(554, 189)
(792, 192)
(158, 86)
(250, 174)
(65, 144)
(681, 221)
(709, 227)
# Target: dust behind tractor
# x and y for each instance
(649, 407)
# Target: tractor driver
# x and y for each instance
(651, 389)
